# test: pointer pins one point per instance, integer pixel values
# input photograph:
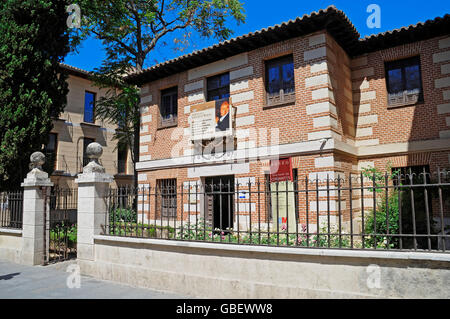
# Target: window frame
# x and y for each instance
(124, 149)
(283, 98)
(402, 64)
(93, 107)
(54, 151)
(225, 88)
(173, 121)
(166, 192)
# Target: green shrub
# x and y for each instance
(123, 215)
(378, 223)
(202, 232)
(58, 233)
(385, 220)
(120, 228)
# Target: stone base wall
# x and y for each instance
(228, 271)
(11, 245)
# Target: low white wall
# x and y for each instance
(209, 270)
(11, 245)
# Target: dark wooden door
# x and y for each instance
(219, 201)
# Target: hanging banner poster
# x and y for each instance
(211, 120)
(282, 194)
(283, 206)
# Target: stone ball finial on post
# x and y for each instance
(37, 159)
(94, 151)
(36, 176)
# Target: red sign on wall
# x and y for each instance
(281, 170)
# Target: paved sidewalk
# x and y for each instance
(19, 281)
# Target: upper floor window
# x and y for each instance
(169, 107)
(50, 151)
(89, 105)
(280, 84)
(218, 87)
(122, 121)
(122, 155)
(404, 82)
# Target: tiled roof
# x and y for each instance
(75, 71)
(334, 21)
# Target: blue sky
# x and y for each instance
(263, 13)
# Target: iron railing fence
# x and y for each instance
(62, 225)
(405, 212)
(11, 209)
(63, 198)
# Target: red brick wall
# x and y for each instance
(407, 123)
(383, 125)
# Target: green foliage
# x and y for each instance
(387, 216)
(140, 230)
(119, 106)
(130, 30)
(123, 214)
(61, 231)
(34, 40)
(385, 219)
(201, 232)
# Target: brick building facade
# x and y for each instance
(351, 103)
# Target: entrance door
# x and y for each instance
(219, 201)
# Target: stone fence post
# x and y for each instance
(93, 186)
(34, 237)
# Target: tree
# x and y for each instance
(119, 107)
(131, 30)
(34, 39)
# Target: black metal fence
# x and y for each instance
(406, 212)
(11, 209)
(62, 226)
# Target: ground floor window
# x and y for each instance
(166, 197)
(219, 201)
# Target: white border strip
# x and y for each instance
(445, 257)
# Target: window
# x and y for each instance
(122, 154)
(218, 87)
(50, 151)
(86, 142)
(404, 82)
(89, 105)
(280, 85)
(169, 107)
(166, 197)
(122, 122)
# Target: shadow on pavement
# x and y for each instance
(9, 276)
